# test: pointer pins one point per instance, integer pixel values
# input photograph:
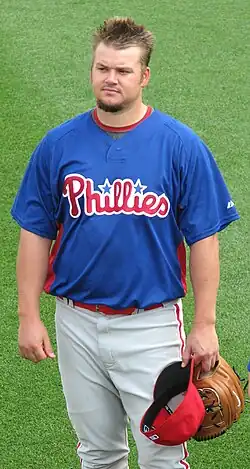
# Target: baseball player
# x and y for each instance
(106, 206)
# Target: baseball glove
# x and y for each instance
(223, 398)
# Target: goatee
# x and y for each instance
(109, 107)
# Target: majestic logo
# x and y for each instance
(122, 196)
(154, 437)
(230, 204)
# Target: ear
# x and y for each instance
(145, 77)
(91, 71)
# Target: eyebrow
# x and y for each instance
(119, 67)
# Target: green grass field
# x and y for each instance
(200, 74)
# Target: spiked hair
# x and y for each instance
(122, 33)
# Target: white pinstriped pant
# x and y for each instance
(108, 367)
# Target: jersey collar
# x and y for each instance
(126, 128)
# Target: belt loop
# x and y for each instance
(70, 303)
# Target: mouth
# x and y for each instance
(111, 90)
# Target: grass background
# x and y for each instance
(200, 74)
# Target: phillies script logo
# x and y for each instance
(122, 196)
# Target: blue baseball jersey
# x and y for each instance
(120, 211)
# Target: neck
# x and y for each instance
(124, 117)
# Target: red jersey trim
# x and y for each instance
(51, 274)
(181, 254)
(109, 128)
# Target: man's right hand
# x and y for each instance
(33, 340)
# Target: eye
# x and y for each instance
(124, 72)
(102, 68)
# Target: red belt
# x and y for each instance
(107, 310)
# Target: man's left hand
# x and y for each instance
(202, 344)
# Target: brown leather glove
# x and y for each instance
(223, 398)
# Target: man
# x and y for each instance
(119, 188)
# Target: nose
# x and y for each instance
(111, 77)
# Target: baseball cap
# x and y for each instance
(168, 425)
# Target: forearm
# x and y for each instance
(204, 274)
(31, 270)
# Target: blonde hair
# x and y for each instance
(122, 33)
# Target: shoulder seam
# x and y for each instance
(55, 139)
(192, 134)
(177, 136)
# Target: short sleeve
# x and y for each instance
(33, 207)
(205, 204)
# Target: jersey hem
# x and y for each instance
(117, 305)
(23, 225)
(219, 227)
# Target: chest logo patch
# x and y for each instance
(122, 196)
